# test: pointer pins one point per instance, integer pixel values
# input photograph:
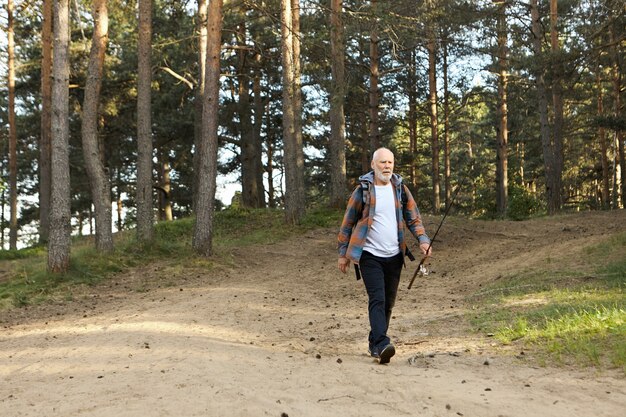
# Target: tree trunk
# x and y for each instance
(412, 118)
(616, 74)
(60, 228)
(471, 170)
(269, 169)
(502, 132)
(259, 113)
(557, 102)
(374, 136)
(294, 158)
(165, 202)
(207, 162)
(552, 192)
(100, 187)
(250, 190)
(120, 207)
(12, 130)
(337, 148)
(432, 100)
(521, 157)
(145, 230)
(446, 126)
(46, 106)
(605, 201)
(297, 94)
(201, 28)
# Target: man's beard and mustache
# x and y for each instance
(384, 177)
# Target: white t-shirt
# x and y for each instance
(382, 237)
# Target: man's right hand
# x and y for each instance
(343, 264)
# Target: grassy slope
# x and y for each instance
(25, 280)
(577, 317)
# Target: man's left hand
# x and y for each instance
(426, 249)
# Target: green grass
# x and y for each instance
(569, 317)
(26, 280)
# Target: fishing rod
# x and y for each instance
(421, 269)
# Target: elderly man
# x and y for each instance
(372, 237)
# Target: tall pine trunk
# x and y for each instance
(552, 192)
(269, 168)
(374, 136)
(12, 130)
(100, 187)
(145, 229)
(46, 120)
(251, 190)
(557, 103)
(292, 134)
(201, 28)
(412, 118)
(165, 188)
(60, 228)
(446, 124)
(259, 114)
(207, 159)
(604, 160)
(616, 74)
(502, 132)
(432, 101)
(337, 148)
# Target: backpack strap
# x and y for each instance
(365, 191)
(403, 196)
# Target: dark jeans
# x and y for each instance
(381, 277)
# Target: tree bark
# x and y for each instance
(201, 28)
(412, 118)
(557, 103)
(269, 168)
(60, 228)
(145, 229)
(293, 157)
(337, 148)
(46, 120)
(259, 113)
(374, 135)
(446, 125)
(616, 75)
(502, 132)
(100, 186)
(12, 130)
(432, 100)
(251, 190)
(207, 162)
(605, 201)
(165, 202)
(552, 191)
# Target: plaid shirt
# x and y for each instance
(353, 230)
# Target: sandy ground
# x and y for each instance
(281, 332)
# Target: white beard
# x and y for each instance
(383, 177)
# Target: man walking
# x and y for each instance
(372, 237)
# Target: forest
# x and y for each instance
(117, 114)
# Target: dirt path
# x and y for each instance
(283, 333)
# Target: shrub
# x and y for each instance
(522, 203)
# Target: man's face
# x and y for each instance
(383, 165)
